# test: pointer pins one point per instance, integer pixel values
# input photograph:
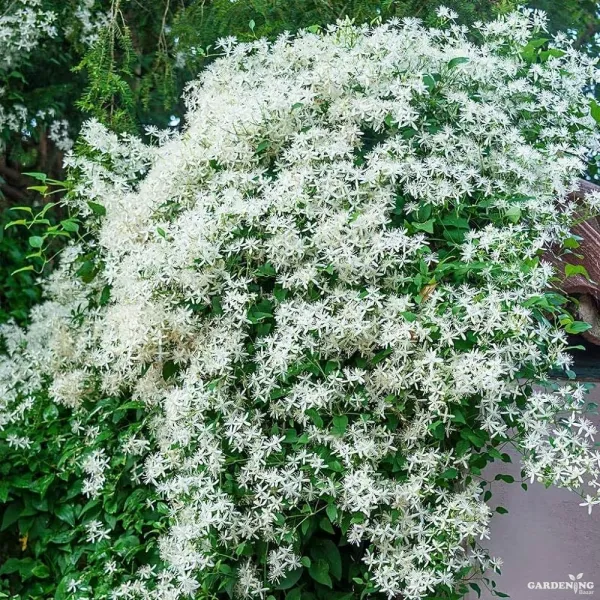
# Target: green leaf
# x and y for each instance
(513, 214)
(105, 295)
(475, 438)
(571, 243)
(11, 515)
(438, 429)
(44, 210)
(381, 355)
(40, 570)
(577, 327)
(64, 537)
(4, 489)
(572, 270)
(39, 176)
(462, 447)
(87, 271)
(326, 525)
(426, 226)
(501, 510)
(62, 588)
(290, 579)
(11, 565)
(455, 221)
(97, 209)
(264, 145)
(42, 484)
(27, 268)
(595, 110)
(70, 225)
(424, 212)
(42, 189)
(429, 81)
(340, 424)
(22, 481)
(458, 416)
(546, 54)
(537, 43)
(494, 452)
(26, 209)
(326, 550)
(506, 478)
(66, 513)
(458, 60)
(319, 571)
(256, 316)
(14, 223)
(266, 270)
(315, 417)
(450, 473)
(35, 241)
(331, 511)
(169, 369)
(295, 594)
(126, 542)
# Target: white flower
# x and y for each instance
(15, 441)
(281, 561)
(443, 12)
(21, 28)
(590, 502)
(96, 532)
(110, 567)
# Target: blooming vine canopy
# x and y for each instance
(327, 293)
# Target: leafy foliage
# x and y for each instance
(18, 293)
(45, 540)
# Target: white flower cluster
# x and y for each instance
(15, 117)
(292, 297)
(21, 28)
(91, 21)
(59, 134)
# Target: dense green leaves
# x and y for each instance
(43, 516)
